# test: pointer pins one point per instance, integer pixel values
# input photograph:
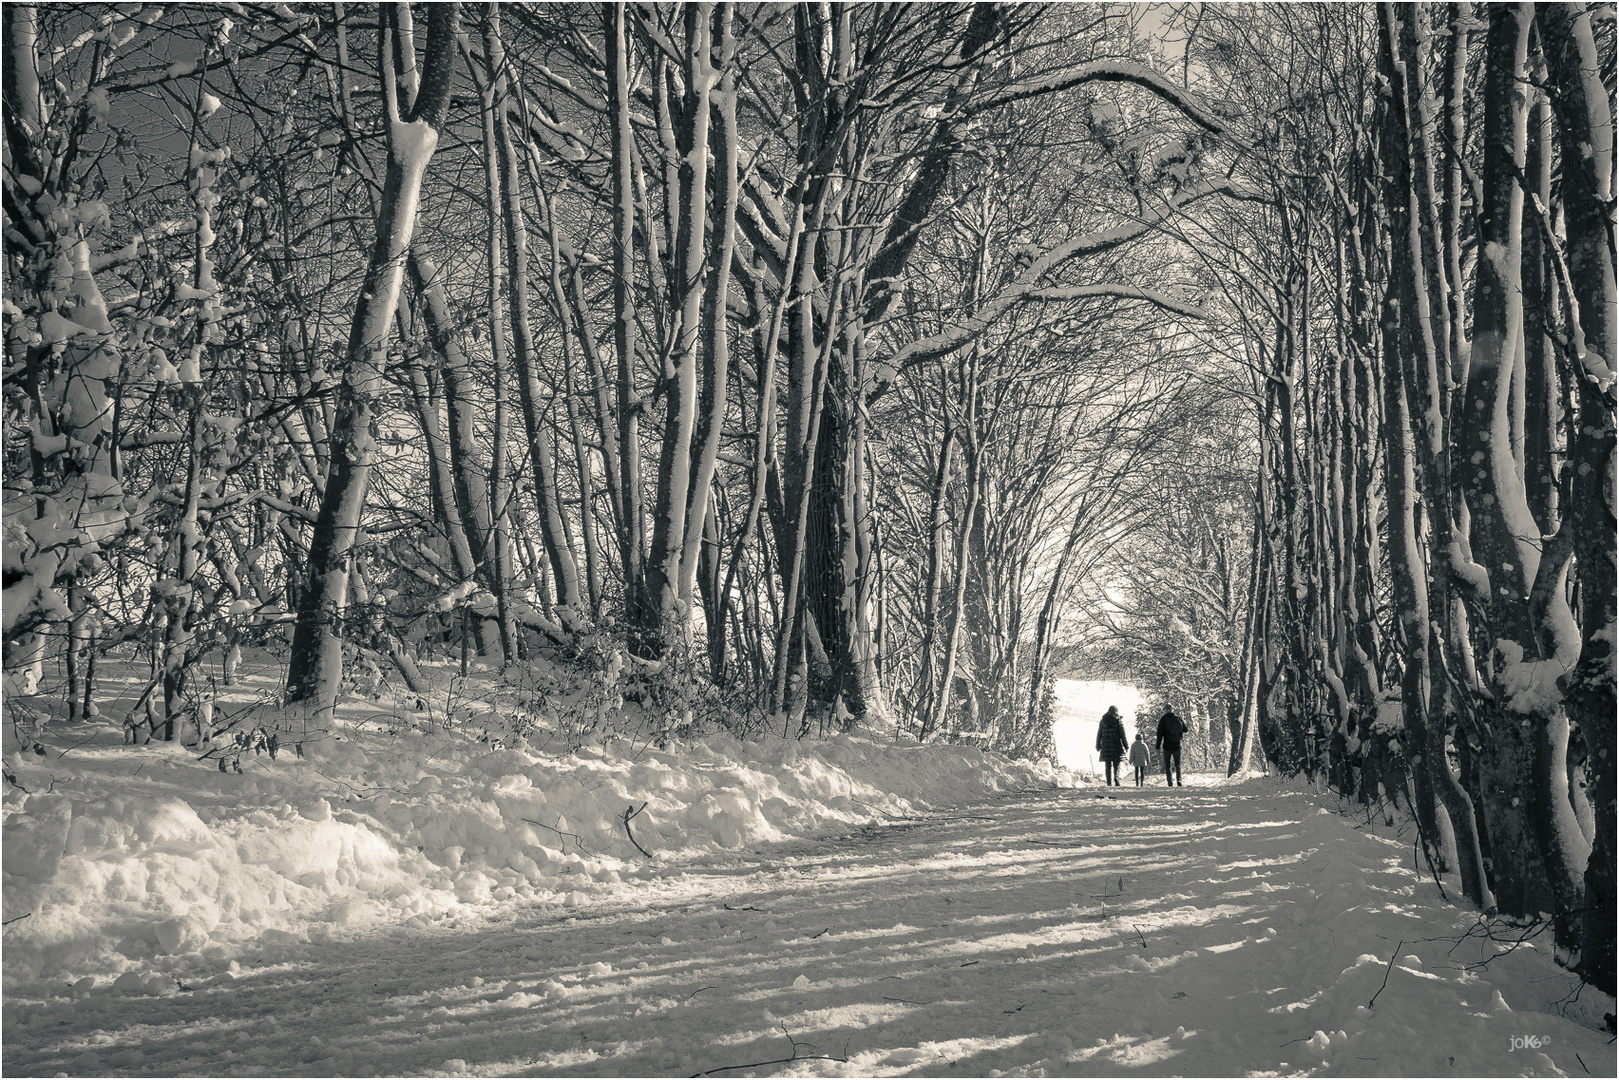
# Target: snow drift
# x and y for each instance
(143, 859)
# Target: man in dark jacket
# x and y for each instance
(1170, 731)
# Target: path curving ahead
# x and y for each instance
(1207, 930)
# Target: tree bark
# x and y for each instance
(316, 662)
(1587, 131)
(665, 619)
(553, 530)
(632, 542)
(716, 364)
(1505, 536)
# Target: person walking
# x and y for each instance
(1170, 732)
(1111, 744)
(1140, 759)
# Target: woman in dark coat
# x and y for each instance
(1111, 744)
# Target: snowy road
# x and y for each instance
(1208, 930)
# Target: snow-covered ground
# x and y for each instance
(1212, 930)
(408, 900)
(151, 861)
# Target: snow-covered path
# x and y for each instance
(1209, 930)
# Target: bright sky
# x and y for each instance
(1080, 705)
(1150, 25)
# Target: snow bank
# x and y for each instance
(143, 859)
(1260, 928)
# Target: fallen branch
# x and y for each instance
(780, 1061)
(1387, 972)
(628, 814)
(578, 840)
(828, 930)
(19, 918)
(774, 1061)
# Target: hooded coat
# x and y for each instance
(1111, 742)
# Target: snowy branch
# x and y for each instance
(1125, 71)
(1124, 292)
(1028, 283)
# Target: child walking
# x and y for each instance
(1140, 759)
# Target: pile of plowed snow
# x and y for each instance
(147, 861)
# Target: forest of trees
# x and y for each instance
(817, 366)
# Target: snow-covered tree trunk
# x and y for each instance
(1357, 464)
(1418, 357)
(467, 473)
(666, 621)
(499, 515)
(724, 140)
(1250, 689)
(553, 529)
(577, 315)
(933, 592)
(315, 666)
(767, 340)
(711, 561)
(798, 633)
(1542, 389)
(426, 397)
(1506, 540)
(939, 709)
(632, 538)
(1587, 139)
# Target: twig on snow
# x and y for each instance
(775, 1061)
(780, 1061)
(19, 918)
(578, 840)
(699, 990)
(828, 930)
(1583, 1065)
(880, 810)
(907, 1001)
(1387, 972)
(629, 813)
